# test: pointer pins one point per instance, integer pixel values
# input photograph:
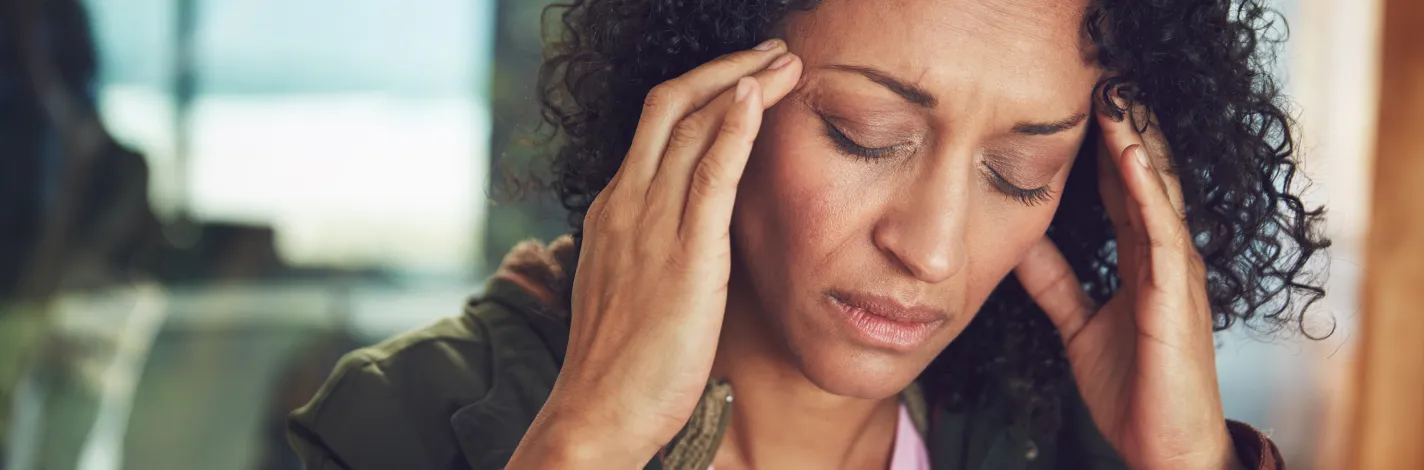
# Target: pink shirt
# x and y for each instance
(910, 452)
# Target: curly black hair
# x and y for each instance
(1203, 68)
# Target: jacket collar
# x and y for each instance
(536, 279)
(696, 445)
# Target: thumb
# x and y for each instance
(1051, 283)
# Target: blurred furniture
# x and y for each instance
(201, 376)
(73, 202)
(1389, 412)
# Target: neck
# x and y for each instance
(780, 419)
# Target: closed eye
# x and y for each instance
(1025, 196)
(850, 147)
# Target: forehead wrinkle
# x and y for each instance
(949, 47)
(883, 28)
(1028, 17)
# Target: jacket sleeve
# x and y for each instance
(357, 422)
(1081, 446)
(1255, 450)
(390, 405)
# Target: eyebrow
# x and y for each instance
(910, 92)
(1050, 128)
(923, 98)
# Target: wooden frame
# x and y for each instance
(1388, 419)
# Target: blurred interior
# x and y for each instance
(204, 203)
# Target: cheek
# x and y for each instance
(798, 202)
(1003, 233)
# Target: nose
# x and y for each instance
(924, 230)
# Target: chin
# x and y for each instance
(860, 377)
(844, 368)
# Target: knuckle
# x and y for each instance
(677, 265)
(600, 200)
(688, 131)
(1148, 243)
(616, 218)
(681, 263)
(601, 197)
(602, 216)
(707, 179)
(1158, 243)
(593, 219)
(724, 59)
(736, 129)
(666, 96)
(1182, 239)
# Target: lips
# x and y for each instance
(887, 323)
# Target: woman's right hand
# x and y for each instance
(651, 285)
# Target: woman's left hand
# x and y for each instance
(1144, 361)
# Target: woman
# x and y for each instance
(956, 234)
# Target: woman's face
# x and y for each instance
(923, 152)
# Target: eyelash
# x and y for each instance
(1028, 197)
(853, 149)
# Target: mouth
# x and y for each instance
(886, 323)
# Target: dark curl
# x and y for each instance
(1203, 67)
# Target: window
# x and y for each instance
(357, 129)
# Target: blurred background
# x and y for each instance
(204, 203)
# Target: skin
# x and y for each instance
(712, 250)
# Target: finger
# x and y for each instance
(713, 190)
(1131, 205)
(1164, 233)
(1118, 135)
(691, 138)
(1115, 202)
(1162, 160)
(671, 101)
(1049, 280)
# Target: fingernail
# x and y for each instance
(780, 61)
(744, 88)
(767, 45)
(1142, 157)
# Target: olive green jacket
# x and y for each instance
(459, 394)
